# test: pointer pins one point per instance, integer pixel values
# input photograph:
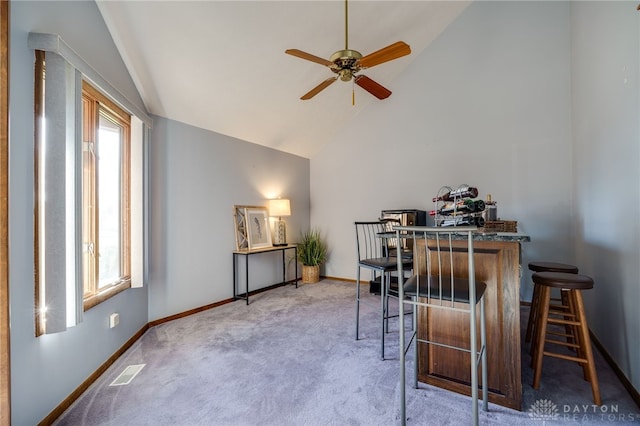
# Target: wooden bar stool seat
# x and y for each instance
(543, 267)
(572, 285)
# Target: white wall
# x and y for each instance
(46, 370)
(488, 104)
(197, 176)
(605, 40)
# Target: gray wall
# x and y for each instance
(488, 104)
(196, 178)
(46, 370)
(527, 101)
(605, 41)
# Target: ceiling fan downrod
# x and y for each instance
(346, 25)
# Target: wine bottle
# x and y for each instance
(465, 206)
(460, 192)
(456, 222)
(452, 212)
(464, 221)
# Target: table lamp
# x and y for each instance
(278, 208)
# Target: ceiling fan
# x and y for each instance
(347, 63)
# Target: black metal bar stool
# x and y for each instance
(543, 267)
(575, 317)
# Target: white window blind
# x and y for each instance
(138, 181)
(59, 189)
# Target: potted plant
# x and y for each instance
(312, 252)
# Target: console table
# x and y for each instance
(248, 253)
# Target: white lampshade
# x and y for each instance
(280, 207)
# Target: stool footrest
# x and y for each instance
(560, 310)
(561, 343)
(562, 321)
(565, 357)
(565, 315)
(557, 333)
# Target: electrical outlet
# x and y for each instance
(114, 319)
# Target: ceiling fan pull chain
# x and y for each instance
(353, 93)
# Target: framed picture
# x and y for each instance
(252, 227)
(258, 229)
(240, 223)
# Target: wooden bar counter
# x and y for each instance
(497, 263)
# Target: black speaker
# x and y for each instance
(406, 217)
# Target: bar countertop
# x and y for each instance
(479, 236)
(499, 236)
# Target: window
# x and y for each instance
(89, 188)
(106, 235)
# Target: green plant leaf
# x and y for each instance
(312, 250)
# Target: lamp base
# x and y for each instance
(280, 233)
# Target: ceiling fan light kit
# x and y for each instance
(347, 63)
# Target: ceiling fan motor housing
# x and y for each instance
(345, 63)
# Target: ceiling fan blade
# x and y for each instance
(319, 88)
(372, 87)
(308, 57)
(393, 51)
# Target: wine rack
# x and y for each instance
(458, 207)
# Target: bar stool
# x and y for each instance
(543, 267)
(572, 284)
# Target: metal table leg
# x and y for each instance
(246, 277)
(234, 275)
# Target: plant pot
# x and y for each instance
(310, 274)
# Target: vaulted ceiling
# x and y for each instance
(221, 66)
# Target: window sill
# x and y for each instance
(96, 299)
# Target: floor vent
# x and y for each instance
(127, 375)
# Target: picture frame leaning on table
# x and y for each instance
(252, 228)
